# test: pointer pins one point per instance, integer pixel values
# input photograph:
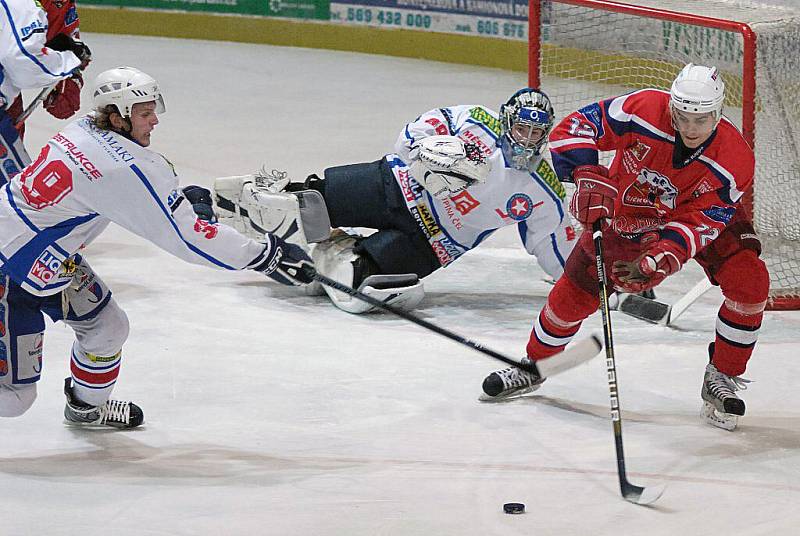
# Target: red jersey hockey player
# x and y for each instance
(672, 193)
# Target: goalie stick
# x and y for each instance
(631, 492)
(657, 312)
(580, 352)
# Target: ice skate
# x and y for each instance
(510, 382)
(114, 413)
(721, 407)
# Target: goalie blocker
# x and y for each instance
(255, 205)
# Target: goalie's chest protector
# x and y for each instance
(460, 222)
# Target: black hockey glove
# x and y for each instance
(200, 198)
(285, 263)
(63, 42)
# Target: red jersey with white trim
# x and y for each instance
(689, 196)
(62, 17)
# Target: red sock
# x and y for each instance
(566, 308)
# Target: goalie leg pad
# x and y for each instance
(336, 259)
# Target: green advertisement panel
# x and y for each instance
(298, 9)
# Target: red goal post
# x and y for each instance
(581, 51)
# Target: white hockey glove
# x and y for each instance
(445, 165)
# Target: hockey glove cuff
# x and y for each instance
(286, 263)
(594, 195)
(200, 198)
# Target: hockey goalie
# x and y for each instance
(456, 175)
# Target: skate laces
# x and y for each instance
(720, 384)
(115, 411)
(516, 377)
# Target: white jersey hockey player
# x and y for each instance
(27, 62)
(457, 175)
(95, 171)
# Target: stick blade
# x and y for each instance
(577, 354)
(652, 311)
(643, 496)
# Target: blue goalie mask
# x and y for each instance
(526, 120)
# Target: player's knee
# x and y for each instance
(570, 302)
(105, 334)
(744, 278)
(15, 400)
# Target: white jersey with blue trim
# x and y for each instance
(534, 202)
(85, 178)
(25, 63)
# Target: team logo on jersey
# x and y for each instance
(32, 28)
(464, 202)
(45, 268)
(411, 191)
(481, 115)
(10, 168)
(3, 359)
(470, 137)
(639, 150)
(550, 178)
(703, 188)
(3, 150)
(206, 228)
(594, 115)
(71, 16)
(707, 234)
(518, 207)
(634, 155)
(651, 189)
(426, 221)
(720, 214)
(438, 126)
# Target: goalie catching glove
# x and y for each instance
(445, 165)
(285, 263)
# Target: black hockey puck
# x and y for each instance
(514, 508)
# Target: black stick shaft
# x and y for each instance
(421, 322)
(616, 417)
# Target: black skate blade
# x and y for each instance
(643, 496)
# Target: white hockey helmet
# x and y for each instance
(123, 87)
(698, 89)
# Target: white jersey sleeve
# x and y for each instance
(431, 123)
(26, 62)
(85, 178)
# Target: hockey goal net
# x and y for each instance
(582, 51)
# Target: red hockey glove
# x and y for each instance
(662, 259)
(65, 99)
(594, 194)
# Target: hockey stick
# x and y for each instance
(34, 103)
(630, 492)
(657, 312)
(573, 356)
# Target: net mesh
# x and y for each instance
(590, 53)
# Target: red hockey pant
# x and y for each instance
(742, 277)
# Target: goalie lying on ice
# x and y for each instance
(457, 175)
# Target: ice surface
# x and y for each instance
(272, 413)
